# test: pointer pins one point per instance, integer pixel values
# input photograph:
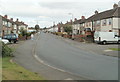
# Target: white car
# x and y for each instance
(5, 41)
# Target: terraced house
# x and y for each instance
(20, 25)
(107, 21)
(9, 26)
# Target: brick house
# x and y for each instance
(78, 26)
(106, 21)
(20, 25)
(7, 25)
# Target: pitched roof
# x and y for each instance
(106, 14)
(20, 23)
(79, 21)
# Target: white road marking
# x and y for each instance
(38, 59)
(41, 61)
(69, 79)
(108, 50)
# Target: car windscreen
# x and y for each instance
(4, 36)
(13, 36)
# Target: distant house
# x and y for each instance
(50, 29)
(106, 21)
(78, 26)
(31, 29)
(55, 28)
(20, 25)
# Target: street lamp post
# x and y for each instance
(72, 25)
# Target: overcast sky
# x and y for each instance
(48, 11)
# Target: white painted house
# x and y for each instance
(107, 21)
(53, 29)
(78, 26)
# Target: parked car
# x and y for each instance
(11, 37)
(5, 41)
(106, 37)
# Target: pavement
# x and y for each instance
(93, 47)
(56, 58)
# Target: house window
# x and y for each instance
(98, 23)
(83, 25)
(9, 24)
(104, 22)
(110, 21)
(5, 23)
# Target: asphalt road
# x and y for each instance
(24, 56)
(57, 53)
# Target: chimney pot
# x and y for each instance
(6, 16)
(115, 6)
(17, 20)
(75, 19)
(82, 17)
(11, 19)
(96, 12)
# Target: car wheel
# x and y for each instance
(104, 42)
(14, 41)
(119, 42)
(10, 41)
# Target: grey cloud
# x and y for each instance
(60, 5)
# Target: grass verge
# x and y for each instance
(115, 49)
(12, 71)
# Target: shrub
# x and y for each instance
(23, 32)
(28, 34)
(68, 28)
(6, 51)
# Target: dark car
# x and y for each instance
(11, 37)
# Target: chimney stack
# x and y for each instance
(6, 16)
(115, 6)
(96, 12)
(75, 19)
(11, 19)
(82, 17)
(17, 20)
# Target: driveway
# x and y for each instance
(93, 47)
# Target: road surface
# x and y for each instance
(57, 53)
